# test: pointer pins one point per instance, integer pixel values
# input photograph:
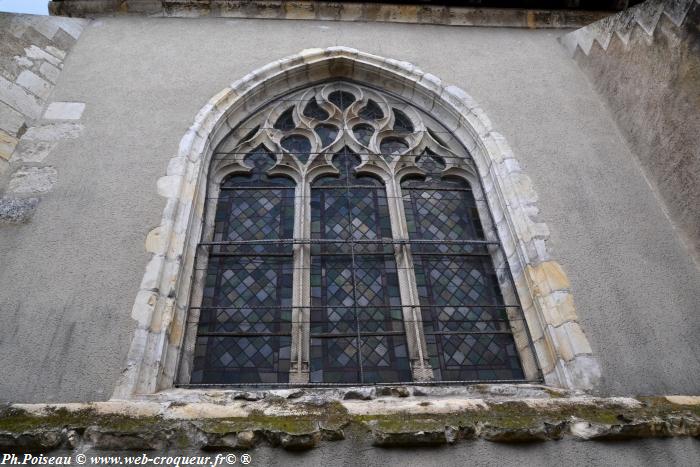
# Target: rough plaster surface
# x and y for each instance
(652, 86)
(75, 271)
(675, 452)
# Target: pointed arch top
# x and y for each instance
(561, 348)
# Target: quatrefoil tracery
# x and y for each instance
(307, 128)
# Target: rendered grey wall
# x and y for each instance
(675, 452)
(651, 83)
(70, 276)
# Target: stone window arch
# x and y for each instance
(380, 110)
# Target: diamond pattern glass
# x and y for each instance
(464, 318)
(357, 332)
(245, 318)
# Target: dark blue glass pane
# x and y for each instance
(363, 133)
(250, 134)
(313, 110)
(341, 99)
(285, 122)
(401, 122)
(393, 146)
(298, 145)
(371, 111)
(327, 133)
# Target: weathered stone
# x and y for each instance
(228, 441)
(18, 98)
(31, 441)
(31, 180)
(400, 391)
(7, 145)
(144, 438)
(64, 111)
(249, 396)
(50, 72)
(364, 394)
(53, 132)
(332, 434)
(245, 439)
(34, 84)
(73, 439)
(17, 210)
(501, 434)
(299, 442)
(32, 151)
(60, 54)
(684, 400)
(11, 121)
(295, 394)
(36, 53)
(410, 438)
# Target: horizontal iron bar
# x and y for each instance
(305, 241)
(360, 307)
(246, 254)
(288, 334)
(244, 334)
(340, 152)
(330, 335)
(338, 187)
(460, 333)
(359, 384)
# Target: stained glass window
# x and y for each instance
(357, 331)
(464, 318)
(244, 332)
(375, 268)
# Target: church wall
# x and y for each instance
(73, 270)
(645, 63)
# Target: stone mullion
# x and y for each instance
(413, 324)
(301, 295)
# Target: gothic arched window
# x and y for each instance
(345, 243)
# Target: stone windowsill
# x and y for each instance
(300, 419)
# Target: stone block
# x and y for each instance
(11, 121)
(7, 145)
(17, 97)
(32, 180)
(558, 308)
(36, 53)
(561, 342)
(64, 111)
(17, 210)
(58, 53)
(578, 340)
(72, 26)
(34, 84)
(32, 151)
(50, 72)
(684, 400)
(548, 277)
(53, 132)
(42, 24)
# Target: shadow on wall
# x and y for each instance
(645, 63)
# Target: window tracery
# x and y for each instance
(387, 273)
